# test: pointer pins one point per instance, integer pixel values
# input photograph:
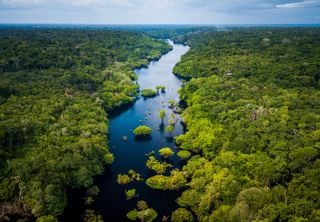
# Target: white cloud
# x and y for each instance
(216, 5)
(20, 3)
(65, 3)
(159, 11)
(303, 4)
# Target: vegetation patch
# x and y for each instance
(156, 165)
(56, 88)
(143, 213)
(166, 152)
(184, 154)
(182, 215)
(130, 194)
(175, 181)
(252, 121)
(148, 93)
(124, 179)
(161, 89)
(142, 131)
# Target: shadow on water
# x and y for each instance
(161, 127)
(118, 111)
(142, 138)
(131, 153)
(169, 139)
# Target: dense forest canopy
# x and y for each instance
(253, 124)
(56, 86)
(251, 109)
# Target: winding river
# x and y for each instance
(130, 154)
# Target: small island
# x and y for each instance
(142, 131)
(166, 152)
(148, 93)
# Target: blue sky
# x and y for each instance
(161, 11)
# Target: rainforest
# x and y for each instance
(159, 123)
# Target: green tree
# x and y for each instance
(166, 152)
(170, 129)
(181, 215)
(156, 165)
(142, 131)
(123, 179)
(131, 194)
(175, 181)
(162, 115)
(184, 154)
(148, 93)
(143, 213)
(47, 218)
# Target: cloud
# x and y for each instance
(303, 4)
(160, 11)
(20, 3)
(47, 4)
(218, 5)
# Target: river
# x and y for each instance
(111, 202)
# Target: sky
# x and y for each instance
(160, 11)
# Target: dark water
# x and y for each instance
(130, 154)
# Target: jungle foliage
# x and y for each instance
(253, 125)
(55, 89)
(142, 131)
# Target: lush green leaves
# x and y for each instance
(131, 194)
(148, 93)
(175, 181)
(55, 87)
(181, 215)
(253, 117)
(166, 152)
(184, 154)
(143, 213)
(142, 131)
(157, 166)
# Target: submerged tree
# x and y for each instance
(170, 129)
(143, 213)
(127, 178)
(172, 103)
(124, 179)
(156, 165)
(166, 152)
(175, 181)
(162, 115)
(172, 120)
(131, 194)
(161, 89)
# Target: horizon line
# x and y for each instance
(173, 24)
